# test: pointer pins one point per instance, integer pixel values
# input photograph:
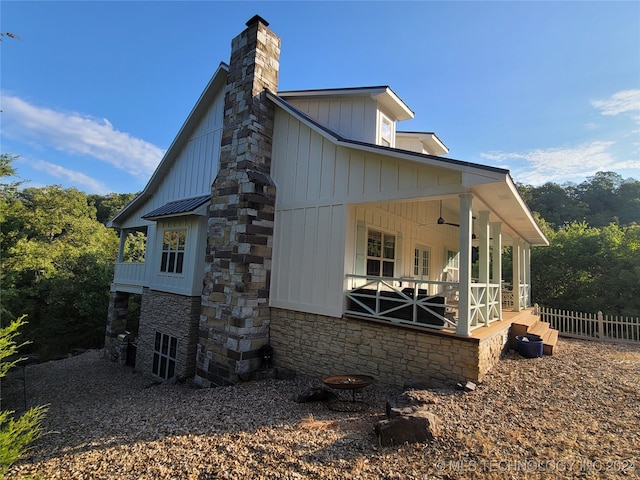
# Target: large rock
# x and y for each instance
(409, 401)
(416, 427)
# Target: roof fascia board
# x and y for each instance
(217, 80)
(381, 94)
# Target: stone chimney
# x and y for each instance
(234, 324)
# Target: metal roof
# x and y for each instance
(177, 207)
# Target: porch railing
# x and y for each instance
(484, 306)
(404, 300)
(130, 273)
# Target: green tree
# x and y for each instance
(16, 433)
(589, 269)
(57, 265)
(107, 206)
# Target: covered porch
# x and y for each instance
(453, 282)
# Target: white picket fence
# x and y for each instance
(592, 326)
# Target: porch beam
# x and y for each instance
(464, 293)
(483, 261)
(496, 246)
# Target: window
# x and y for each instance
(164, 355)
(453, 266)
(173, 251)
(381, 254)
(421, 259)
(386, 131)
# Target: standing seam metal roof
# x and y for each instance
(178, 206)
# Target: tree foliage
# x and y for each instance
(16, 433)
(604, 198)
(57, 264)
(593, 260)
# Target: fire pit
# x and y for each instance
(347, 382)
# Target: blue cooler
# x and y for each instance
(530, 346)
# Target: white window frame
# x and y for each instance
(172, 257)
(421, 262)
(453, 265)
(383, 258)
(386, 138)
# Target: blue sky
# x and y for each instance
(94, 92)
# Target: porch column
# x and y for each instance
(517, 271)
(464, 292)
(496, 246)
(483, 261)
(123, 239)
(527, 273)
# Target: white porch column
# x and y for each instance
(496, 246)
(527, 272)
(517, 273)
(464, 293)
(483, 261)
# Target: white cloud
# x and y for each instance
(79, 134)
(77, 178)
(623, 101)
(560, 165)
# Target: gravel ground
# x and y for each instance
(576, 414)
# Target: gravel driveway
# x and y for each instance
(574, 414)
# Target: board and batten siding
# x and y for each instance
(308, 259)
(196, 166)
(189, 282)
(354, 118)
(317, 182)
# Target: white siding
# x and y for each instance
(314, 239)
(189, 282)
(189, 175)
(354, 118)
(308, 259)
(194, 169)
(309, 169)
(411, 144)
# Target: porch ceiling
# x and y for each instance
(506, 206)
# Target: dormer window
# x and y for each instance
(386, 131)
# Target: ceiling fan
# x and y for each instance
(441, 219)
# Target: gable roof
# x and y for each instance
(382, 94)
(218, 81)
(493, 187)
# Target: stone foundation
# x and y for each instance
(319, 346)
(170, 314)
(116, 326)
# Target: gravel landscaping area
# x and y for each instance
(575, 414)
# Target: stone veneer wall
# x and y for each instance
(235, 300)
(171, 314)
(116, 324)
(319, 346)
